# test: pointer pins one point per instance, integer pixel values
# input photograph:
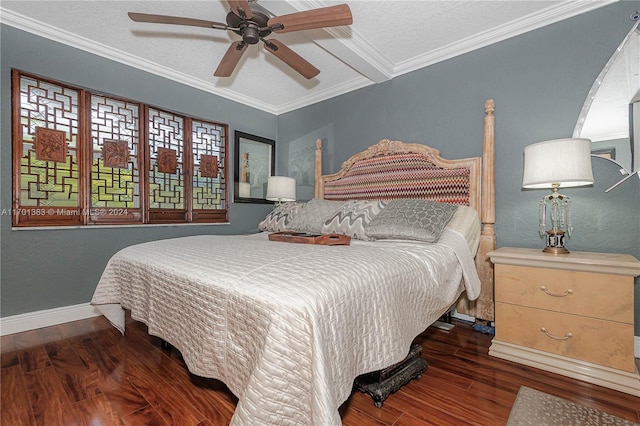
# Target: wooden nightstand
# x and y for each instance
(570, 314)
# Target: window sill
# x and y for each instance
(136, 225)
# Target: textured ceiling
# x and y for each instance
(387, 39)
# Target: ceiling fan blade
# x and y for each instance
(323, 17)
(230, 59)
(291, 58)
(241, 8)
(176, 20)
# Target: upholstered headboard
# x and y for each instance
(393, 169)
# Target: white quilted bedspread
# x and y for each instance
(287, 327)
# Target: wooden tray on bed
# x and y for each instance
(304, 238)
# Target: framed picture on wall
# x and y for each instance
(254, 162)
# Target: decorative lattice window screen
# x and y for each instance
(208, 153)
(83, 158)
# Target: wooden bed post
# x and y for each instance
(318, 171)
(484, 305)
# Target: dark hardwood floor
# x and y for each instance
(86, 373)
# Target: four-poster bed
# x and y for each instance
(288, 327)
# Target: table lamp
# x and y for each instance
(281, 188)
(552, 164)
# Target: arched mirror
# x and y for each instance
(610, 116)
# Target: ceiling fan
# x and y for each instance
(253, 25)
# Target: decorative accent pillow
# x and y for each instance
(280, 217)
(312, 217)
(421, 220)
(352, 217)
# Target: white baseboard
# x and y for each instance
(463, 317)
(620, 380)
(46, 318)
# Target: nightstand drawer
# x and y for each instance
(594, 340)
(604, 296)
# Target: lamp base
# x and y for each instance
(555, 243)
(555, 250)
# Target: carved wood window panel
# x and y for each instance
(167, 167)
(83, 158)
(46, 178)
(116, 160)
(209, 159)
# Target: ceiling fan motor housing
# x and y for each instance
(251, 30)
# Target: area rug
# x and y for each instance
(535, 408)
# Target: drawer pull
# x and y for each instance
(567, 336)
(565, 294)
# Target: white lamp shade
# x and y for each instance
(281, 188)
(561, 161)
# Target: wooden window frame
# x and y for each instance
(87, 215)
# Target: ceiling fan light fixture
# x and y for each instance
(251, 34)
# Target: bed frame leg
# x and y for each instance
(380, 384)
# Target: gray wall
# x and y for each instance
(539, 82)
(44, 269)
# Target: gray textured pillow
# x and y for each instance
(421, 220)
(280, 217)
(352, 217)
(312, 217)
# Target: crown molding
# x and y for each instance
(67, 38)
(61, 36)
(376, 67)
(528, 23)
(319, 96)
